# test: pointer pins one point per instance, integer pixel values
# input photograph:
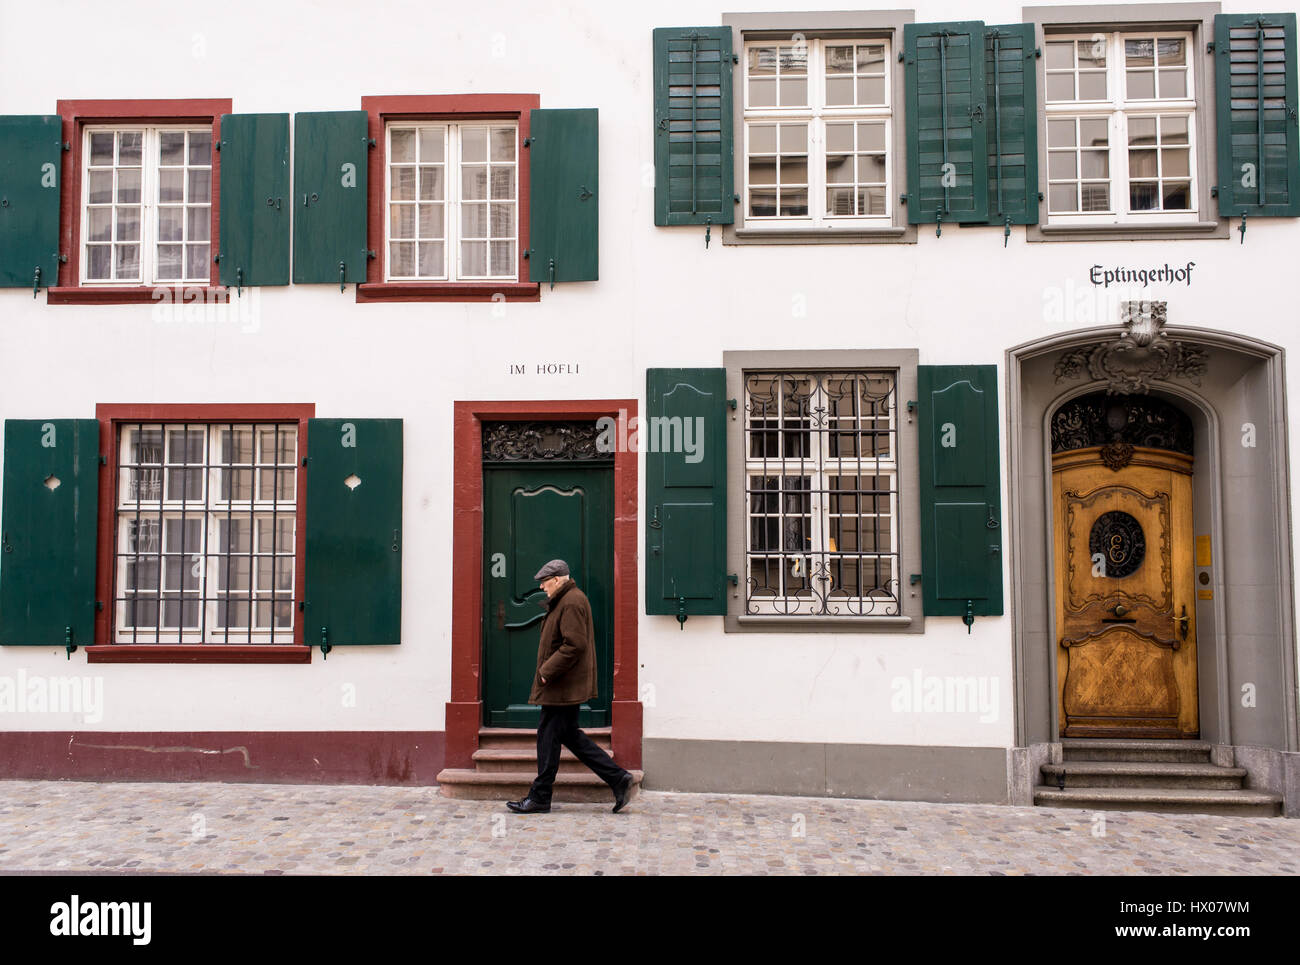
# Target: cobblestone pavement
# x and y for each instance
(270, 829)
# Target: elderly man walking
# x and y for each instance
(565, 677)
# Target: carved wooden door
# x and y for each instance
(1125, 600)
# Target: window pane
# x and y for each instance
(1092, 87)
(200, 186)
(431, 259)
(170, 225)
(169, 262)
(431, 221)
(1139, 52)
(199, 224)
(130, 147)
(474, 220)
(762, 203)
(196, 262)
(171, 185)
(503, 257)
(1060, 87)
(402, 258)
(1174, 163)
(430, 183)
(503, 220)
(473, 144)
(762, 92)
(1177, 196)
(503, 183)
(503, 144)
(1060, 54)
(794, 91)
(402, 145)
(101, 147)
(128, 185)
(794, 138)
(200, 147)
(1063, 197)
(473, 182)
(794, 170)
(1060, 133)
(98, 261)
(1142, 164)
(871, 136)
(1141, 130)
(1144, 196)
(1094, 132)
(101, 187)
(128, 224)
(402, 222)
(1141, 84)
(1092, 53)
(871, 90)
(839, 90)
(1171, 50)
(1095, 164)
(127, 259)
(762, 138)
(171, 147)
(839, 59)
(433, 145)
(1173, 130)
(1173, 83)
(1096, 197)
(473, 258)
(403, 184)
(1061, 164)
(100, 227)
(794, 203)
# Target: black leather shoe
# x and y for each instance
(528, 806)
(622, 793)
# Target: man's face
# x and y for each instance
(552, 583)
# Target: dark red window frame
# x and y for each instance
(111, 417)
(76, 115)
(443, 107)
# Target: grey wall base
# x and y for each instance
(969, 775)
(1272, 770)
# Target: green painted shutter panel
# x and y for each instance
(947, 144)
(353, 589)
(255, 201)
(1255, 81)
(563, 220)
(1011, 79)
(961, 503)
(47, 532)
(693, 126)
(31, 156)
(684, 439)
(331, 151)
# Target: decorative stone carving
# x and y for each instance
(541, 442)
(1140, 356)
(1118, 424)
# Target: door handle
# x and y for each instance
(1183, 622)
(501, 614)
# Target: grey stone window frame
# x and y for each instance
(903, 362)
(1199, 19)
(782, 26)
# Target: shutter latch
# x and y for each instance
(36, 281)
(1242, 228)
(342, 276)
(68, 645)
(708, 227)
(681, 613)
(324, 642)
(969, 618)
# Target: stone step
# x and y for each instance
(1170, 751)
(1143, 774)
(512, 759)
(513, 785)
(1169, 800)
(523, 738)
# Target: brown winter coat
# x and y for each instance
(566, 655)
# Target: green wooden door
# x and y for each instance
(532, 515)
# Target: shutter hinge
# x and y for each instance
(735, 58)
(1209, 48)
(914, 579)
(528, 141)
(67, 146)
(735, 199)
(99, 606)
(370, 253)
(5, 545)
(1038, 52)
(731, 404)
(969, 618)
(911, 409)
(370, 141)
(733, 579)
(902, 199)
(103, 460)
(304, 459)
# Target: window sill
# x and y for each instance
(1128, 232)
(818, 236)
(814, 624)
(142, 295)
(192, 653)
(417, 291)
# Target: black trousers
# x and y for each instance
(559, 726)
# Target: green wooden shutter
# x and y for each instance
(563, 219)
(684, 437)
(353, 589)
(47, 532)
(1255, 80)
(1011, 107)
(961, 504)
(31, 156)
(255, 200)
(693, 126)
(946, 130)
(331, 151)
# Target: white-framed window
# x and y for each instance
(821, 494)
(817, 129)
(206, 533)
(146, 212)
(453, 201)
(1121, 128)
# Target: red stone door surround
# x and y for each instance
(465, 709)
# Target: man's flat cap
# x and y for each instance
(553, 568)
